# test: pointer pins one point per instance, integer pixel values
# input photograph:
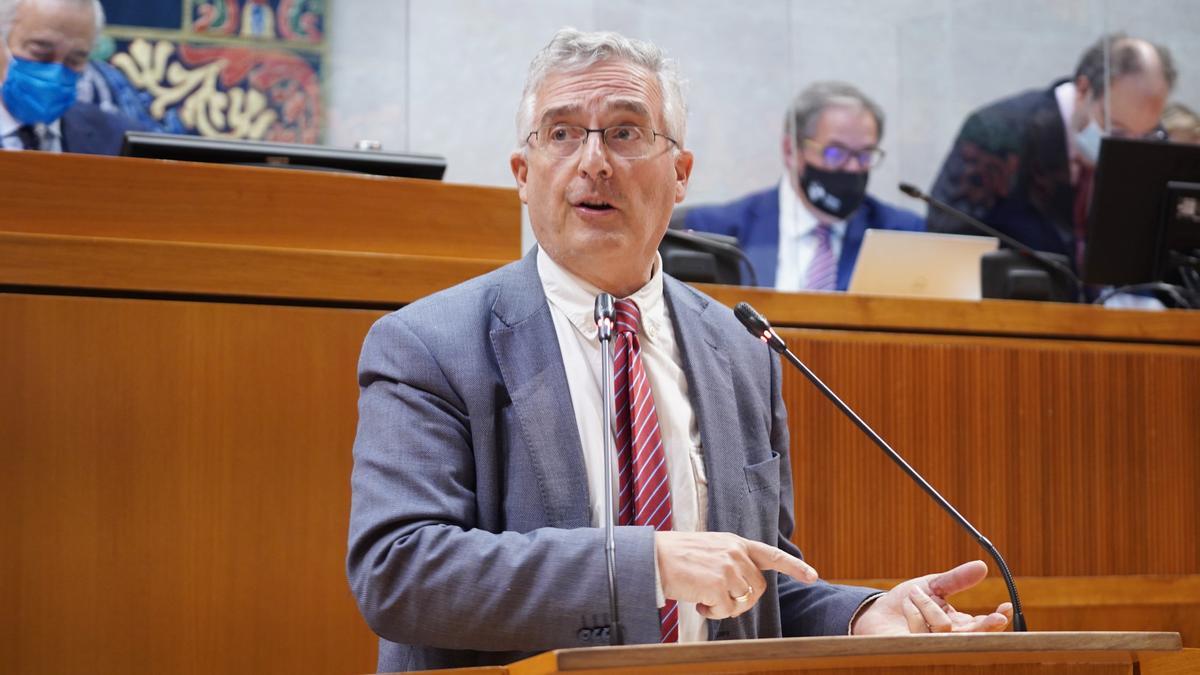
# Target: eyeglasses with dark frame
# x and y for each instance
(626, 141)
(837, 156)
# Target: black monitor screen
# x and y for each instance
(1131, 226)
(285, 155)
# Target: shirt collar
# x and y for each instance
(576, 298)
(10, 124)
(1064, 95)
(795, 220)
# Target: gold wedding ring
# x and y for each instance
(744, 597)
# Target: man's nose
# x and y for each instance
(593, 157)
(854, 165)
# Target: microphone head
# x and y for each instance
(912, 191)
(603, 314)
(605, 307)
(753, 321)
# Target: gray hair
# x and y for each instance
(1125, 57)
(573, 50)
(806, 108)
(8, 12)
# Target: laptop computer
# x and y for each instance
(920, 264)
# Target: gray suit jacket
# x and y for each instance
(470, 539)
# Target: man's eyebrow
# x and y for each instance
(559, 111)
(629, 105)
(39, 44)
(624, 104)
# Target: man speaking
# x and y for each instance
(478, 473)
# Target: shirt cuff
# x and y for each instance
(659, 596)
(858, 612)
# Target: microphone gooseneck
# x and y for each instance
(760, 328)
(604, 315)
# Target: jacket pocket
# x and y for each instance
(764, 475)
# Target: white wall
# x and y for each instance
(444, 76)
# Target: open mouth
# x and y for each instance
(595, 205)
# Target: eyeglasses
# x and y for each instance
(624, 140)
(837, 155)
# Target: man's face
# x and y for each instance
(841, 136)
(51, 31)
(1136, 103)
(599, 215)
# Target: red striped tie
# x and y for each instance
(645, 492)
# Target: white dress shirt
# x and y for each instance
(50, 135)
(572, 305)
(798, 239)
(1064, 95)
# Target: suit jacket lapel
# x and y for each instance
(530, 363)
(856, 228)
(762, 242)
(710, 389)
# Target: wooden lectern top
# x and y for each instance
(1049, 652)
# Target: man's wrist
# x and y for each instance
(862, 609)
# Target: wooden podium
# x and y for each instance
(1012, 653)
(178, 345)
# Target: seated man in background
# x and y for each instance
(805, 233)
(46, 48)
(1024, 164)
(1181, 123)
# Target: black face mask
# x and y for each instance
(838, 193)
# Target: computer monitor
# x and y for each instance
(286, 155)
(1139, 224)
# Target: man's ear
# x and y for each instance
(683, 172)
(1083, 88)
(520, 169)
(792, 159)
(788, 148)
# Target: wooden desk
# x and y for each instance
(178, 408)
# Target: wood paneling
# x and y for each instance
(131, 265)
(174, 472)
(1116, 603)
(174, 487)
(995, 653)
(1009, 318)
(1074, 458)
(183, 201)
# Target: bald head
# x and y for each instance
(1123, 56)
(9, 12)
(50, 31)
(1122, 83)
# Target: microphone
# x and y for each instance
(1050, 264)
(603, 314)
(759, 327)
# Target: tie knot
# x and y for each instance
(29, 137)
(628, 316)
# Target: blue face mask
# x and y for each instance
(38, 92)
(1088, 141)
